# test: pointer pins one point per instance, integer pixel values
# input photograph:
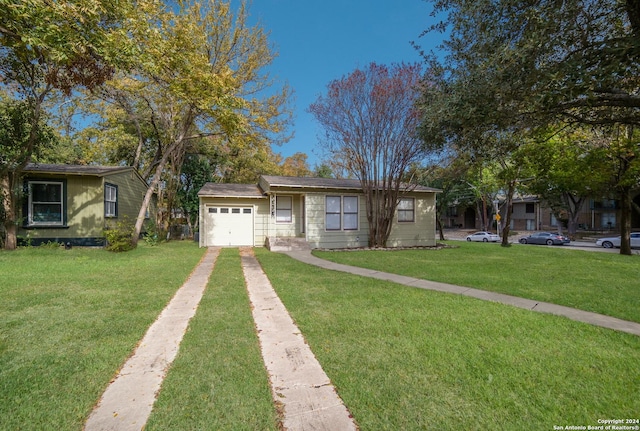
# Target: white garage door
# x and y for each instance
(229, 226)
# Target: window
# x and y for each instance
(608, 220)
(350, 213)
(406, 212)
(341, 212)
(46, 203)
(529, 208)
(235, 211)
(284, 209)
(110, 200)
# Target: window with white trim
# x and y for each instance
(341, 213)
(110, 200)
(350, 212)
(46, 203)
(284, 209)
(406, 210)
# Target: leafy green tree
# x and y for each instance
(512, 66)
(196, 172)
(58, 46)
(200, 75)
(565, 169)
(17, 131)
(449, 175)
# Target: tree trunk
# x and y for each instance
(507, 219)
(625, 220)
(9, 209)
(152, 186)
(440, 228)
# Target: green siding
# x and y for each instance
(85, 205)
(131, 191)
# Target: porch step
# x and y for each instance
(287, 244)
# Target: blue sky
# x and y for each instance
(318, 41)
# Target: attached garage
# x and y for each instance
(229, 226)
(287, 212)
(232, 215)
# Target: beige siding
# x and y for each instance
(421, 232)
(319, 237)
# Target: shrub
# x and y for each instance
(119, 236)
(151, 234)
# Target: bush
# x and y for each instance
(120, 236)
(151, 234)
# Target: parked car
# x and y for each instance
(547, 238)
(615, 241)
(483, 237)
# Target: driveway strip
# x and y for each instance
(298, 383)
(128, 400)
(529, 304)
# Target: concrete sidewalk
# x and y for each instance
(529, 304)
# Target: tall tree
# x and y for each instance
(196, 171)
(514, 65)
(565, 169)
(370, 123)
(200, 74)
(16, 134)
(47, 46)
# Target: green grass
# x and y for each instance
(600, 282)
(218, 380)
(69, 319)
(405, 358)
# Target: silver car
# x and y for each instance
(615, 241)
(547, 238)
(483, 237)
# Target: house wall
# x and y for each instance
(84, 213)
(131, 191)
(85, 208)
(317, 235)
(421, 232)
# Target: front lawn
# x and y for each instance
(600, 282)
(68, 321)
(406, 358)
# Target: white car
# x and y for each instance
(615, 241)
(483, 237)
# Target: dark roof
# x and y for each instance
(322, 183)
(273, 181)
(75, 169)
(231, 190)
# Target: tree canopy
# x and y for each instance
(519, 69)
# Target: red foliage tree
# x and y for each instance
(370, 121)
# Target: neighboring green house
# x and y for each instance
(73, 204)
(290, 212)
